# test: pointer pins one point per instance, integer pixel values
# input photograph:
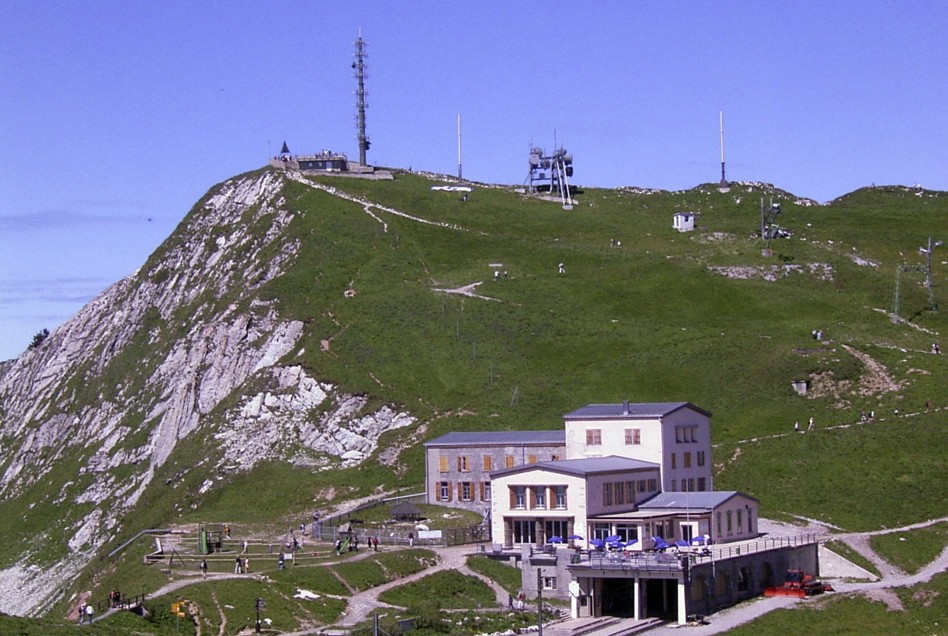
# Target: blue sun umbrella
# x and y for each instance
(555, 539)
(612, 538)
(574, 537)
(597, 542)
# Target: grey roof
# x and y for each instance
(708, 500)
(500, 438)
(627, 410)
(581, 467)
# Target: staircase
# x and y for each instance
(601, 626)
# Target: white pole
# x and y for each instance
(722, 136)
(459, 146)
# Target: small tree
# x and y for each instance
(39, 337)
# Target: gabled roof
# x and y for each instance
(628, 410)
(501, 438)
(580, 467)
(691, 500)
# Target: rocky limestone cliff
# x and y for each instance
(138, 370)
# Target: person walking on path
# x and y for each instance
(810, 425)
(239, 566)
(203, 567)
(796, 426)
(89, 612)
(411, 539)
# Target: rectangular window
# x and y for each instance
(719, 533)
(561, 497)
(702, 484)
(679, 434)
(641, 486)
(549, 582)
(488, 463)
(444, 491)
(520, 497)
(464, 464)
(691, 484)
(607, 494)
(687, 460)
(467, 493)
(630, 491)
(633, 436)
(509, 461)
(652, 485)
(443, 463)
(539, 498)
(485, 491)
(701, 458)
(593, 437)
(620, 493)
(554, 458)
(730, 523)
(531, 459)
(740, 521)
(674, 462)
(674, 485)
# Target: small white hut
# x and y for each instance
(683, 221)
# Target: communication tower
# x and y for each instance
(724, 186)
(551, 173)
(360, 68)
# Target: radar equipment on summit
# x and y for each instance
(552, 172)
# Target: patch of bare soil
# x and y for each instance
(877, 378)
(884, 595)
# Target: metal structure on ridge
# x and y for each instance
(360, 66)
(552, 172)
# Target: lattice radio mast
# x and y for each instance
(359, 66)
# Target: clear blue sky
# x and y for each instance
(115, 117)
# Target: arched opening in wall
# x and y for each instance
(766, 575)
(699, 588)
(721, 583)
(743, 580)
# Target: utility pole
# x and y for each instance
(459, 148)
(540, 601)
(359, 66)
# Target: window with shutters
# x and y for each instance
(444, 491)
(485, 491)
(488, 463)
(531, 459)
(539, 498)
(443, 463)
(464, 464)
(509, 461)
(560, 497)
(466, 491)
(520, 497)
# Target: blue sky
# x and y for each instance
(116, 117)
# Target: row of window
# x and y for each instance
(700, 459)
(686, 434)
(689, 485)
(538, 497)
(621, 492)
(464, 462)
(729, 517)
(526, 530)
(633, 436)
(465, 490)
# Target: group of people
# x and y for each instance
(810, 425)
(115, 598)
(86, 612)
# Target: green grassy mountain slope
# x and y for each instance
(702, 317)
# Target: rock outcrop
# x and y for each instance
(142, 367)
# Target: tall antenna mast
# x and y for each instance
(459, 146)
(359, 66)
(724, 186)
